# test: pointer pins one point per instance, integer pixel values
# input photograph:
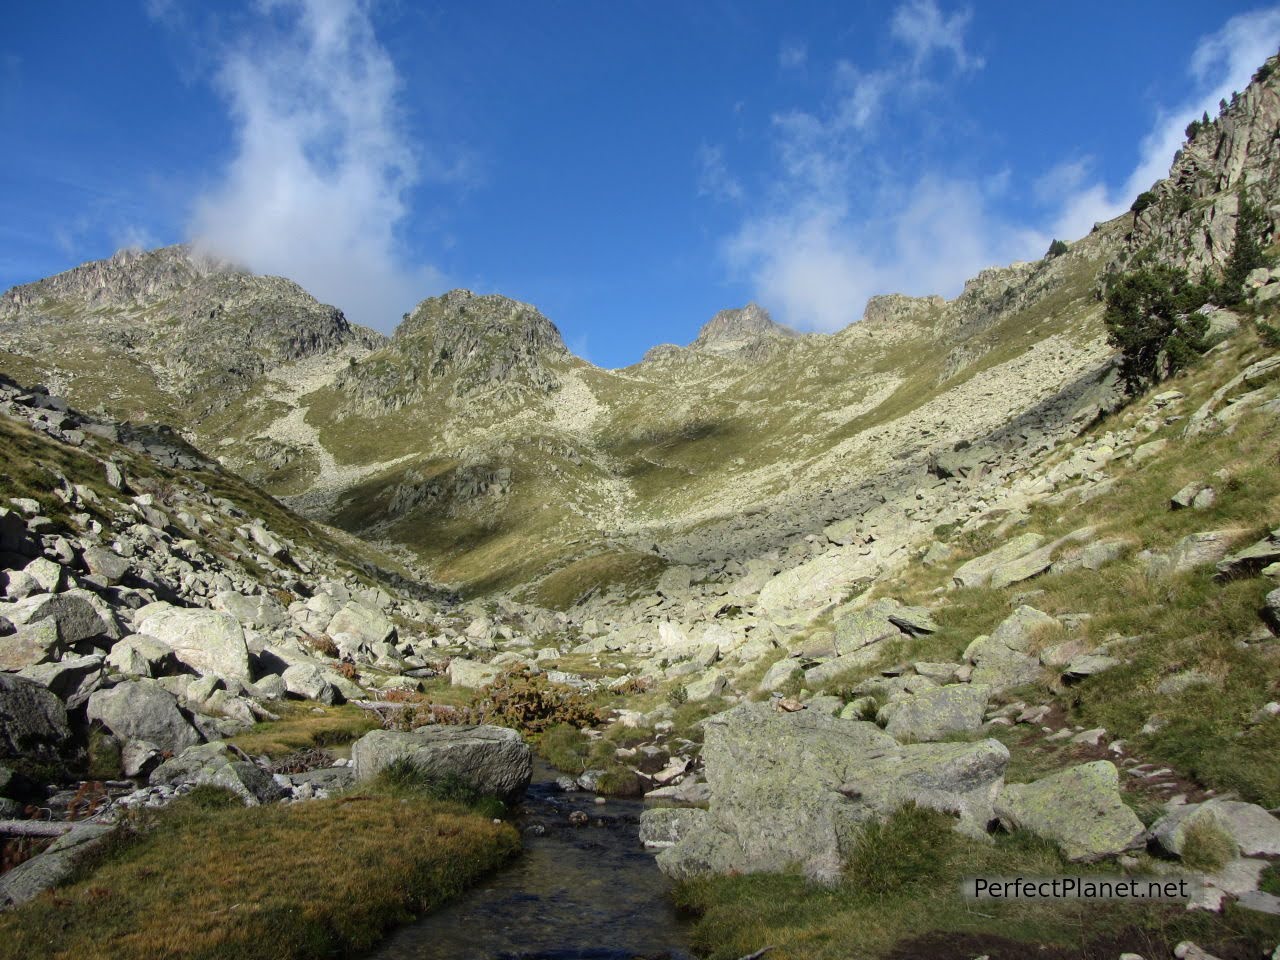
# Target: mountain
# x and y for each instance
(475, 440)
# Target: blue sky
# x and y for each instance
(630, 168)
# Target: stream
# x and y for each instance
(588, 892)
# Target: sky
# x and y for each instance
(629, 168)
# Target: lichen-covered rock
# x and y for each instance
(143, 710)
(793, 788)
(33, 721)
(1255, 831)
(1080, 809)
(939, 713)
(472, 673)
(492, 760)
(52, 867)
(207, 641)
(78, 614)
(978, 571)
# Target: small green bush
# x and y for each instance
(1145, 199)
(1056, 249)
(1151, 319)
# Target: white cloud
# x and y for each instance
(714, 179)
(840, 222)
(922, 27)
(1222, 64)
(318, 181)
(792, 55)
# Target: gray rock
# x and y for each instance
(78, 614)
(138, 655)
(662, 827)
(1250, 561)
(1080, 809)
(856, 629)
(1256, 832)
(1186, 496)
(1022, 568)
(311, 683)
(367, 623)
(51, 577)
(492, 760)
(258, 611)
(793, 788)
(143, 710)
(472, 674)
(73, 680)
(978, 571)
(110, 567)
(32, 644)
(829, 670)
(938, 713)
(33, 721)
(1089, 664)
(207, 641)
(778, 674)
(52, 867)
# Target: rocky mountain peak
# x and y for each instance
(462, 318)
(896, 306)
(731, 330)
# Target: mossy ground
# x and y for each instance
(210, 879)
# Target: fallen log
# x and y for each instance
(34, 828)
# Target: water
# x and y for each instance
(577, 893)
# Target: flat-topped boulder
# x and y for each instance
(207, 641)
(490, 759)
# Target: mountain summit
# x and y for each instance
(732, 330)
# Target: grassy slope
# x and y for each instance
(1211, 737)
(210, 879)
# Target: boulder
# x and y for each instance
(143, 710)
(675, 581)
(1193, 550)
(72, 680)
(259, 612)
(1250, 561)
(492, 760)
(830, 669)
(938, 713)
(51, 577)
(856, 629)
(662, 827)
(207, 641)
(793, 788)
(308, 681)
(1022, 568)
(32, 644)
(1255, 831)
(472, 674)
(1080, 809)
(109, 567)
(368, 623)
(78, 615)
(33, 721)
(978, 571)
(798, 595)
(138, 655)
(778, 674)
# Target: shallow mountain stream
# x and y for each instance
(579, 892)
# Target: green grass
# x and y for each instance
(304, 724)
(902, 882)
(209, 879)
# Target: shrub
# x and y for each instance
(531, 703)
(566, 748)
(1270, 334)
(1056, 249)
(322, 644)
(1151, 320)
(1145, 199)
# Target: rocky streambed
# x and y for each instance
(584, 889)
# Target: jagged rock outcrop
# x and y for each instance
(745, 329)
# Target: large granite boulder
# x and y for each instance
(143, 710)
(492, 760)
(77, 614)
(52, 867)
(364, 622)
(207, 641)
(793, 789)
(33, 721)
(1080, 809)
(938, 713)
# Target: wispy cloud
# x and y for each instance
(322, 164)
(1222, 64)
(925, 30)
(839, 222)
(714, 179)
(792, 55)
